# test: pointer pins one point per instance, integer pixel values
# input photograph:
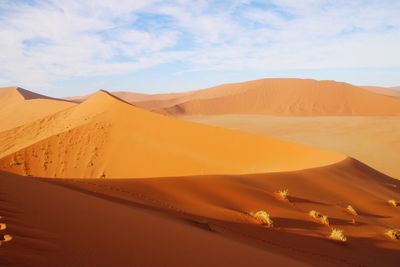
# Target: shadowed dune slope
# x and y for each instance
(19, 106)
(290, 97)
(55, 226)
(106, 137)
(222, 204)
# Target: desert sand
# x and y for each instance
(107, 137)
(140, 188)
(395, 91)
(19, 106)
(372, 140)
(204, 219)
(301, 97)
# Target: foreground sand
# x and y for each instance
(202, 221)
(56, 226)
(372, 140)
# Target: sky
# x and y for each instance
(74, 47)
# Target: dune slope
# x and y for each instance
(287, 97)
(372, 140)
(55, 226)
(223, 204)
(19, 106)
(383, 90)
(106, 137)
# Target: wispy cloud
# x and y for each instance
(47, 42)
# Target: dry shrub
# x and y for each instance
(393, 202)
(3, 226)
(263, 217)
(283, 194)
(393, 234)
(318, 216)
(351, 210)
(338, 235)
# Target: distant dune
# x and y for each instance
(285, 96)
(290, 97)
(107, 137)
(19, 106)
(395, 91)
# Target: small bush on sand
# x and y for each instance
(393, 234)
(263, 217)
(283, 194)
(338, 235)
(351, 210)
(315, 214)
(325, 220)
(393, 202)
(3, 226)
(318, 216)
(5, 238)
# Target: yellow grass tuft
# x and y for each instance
(351, 210)
(393, 234)
(263, 217)
(3, 226)
(314, 214)
(338, 235)
(283, 194)
(318, 216)
(325, 220)
(393, 202)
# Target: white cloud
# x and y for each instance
(50, 41)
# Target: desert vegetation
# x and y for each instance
(393, 202)
(319, 217)
(351, 210)
(263, 218)
(283, 194)
(338, 235)
(393, 234)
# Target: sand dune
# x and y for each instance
(19, 106)
(106, 137)
(301, 97)
(291, 97)
(55, 226)
(372, 140)
(383, 90)
(222, 204)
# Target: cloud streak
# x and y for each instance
(48, 42)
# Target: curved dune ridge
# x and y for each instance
(105, 137)
(196, 207)
(19, 106)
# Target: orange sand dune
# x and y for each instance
(289, 97)
(300, 97)
(223, 204)
(106, 137)
(19, 106)
(373, 140)
(55, 226)
(383, 90)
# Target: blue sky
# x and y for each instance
(71, 47)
